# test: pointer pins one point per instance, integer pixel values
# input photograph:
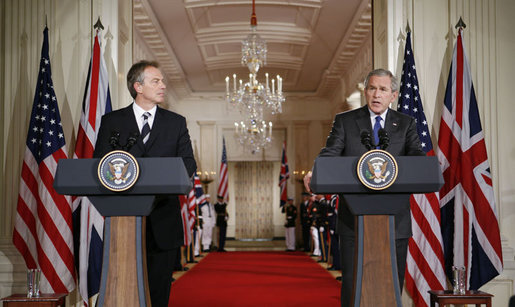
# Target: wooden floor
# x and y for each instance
(268, 245)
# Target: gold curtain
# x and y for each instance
(253, 200)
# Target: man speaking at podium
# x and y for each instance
(145, 130)
(353, 133)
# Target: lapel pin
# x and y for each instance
(394, 124)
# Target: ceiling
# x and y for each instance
(312, 44)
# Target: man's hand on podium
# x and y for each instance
(307, 181)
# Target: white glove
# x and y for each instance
(321, 229)
(331, 231)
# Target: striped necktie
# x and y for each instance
(145, 131)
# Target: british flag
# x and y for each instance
(200, 198)
(87, 221)
(424, 263)
(470, 226)
(283, 176)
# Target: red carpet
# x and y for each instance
(256, 279)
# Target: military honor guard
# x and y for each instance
(291, 215)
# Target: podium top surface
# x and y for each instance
(416, 174)
(164, 175)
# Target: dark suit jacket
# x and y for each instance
(169, 138)
(345, 140)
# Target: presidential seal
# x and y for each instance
(377, 169)
(118, 170)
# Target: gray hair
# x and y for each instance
(380, 72)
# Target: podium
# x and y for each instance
(124, 268)
(375, 266)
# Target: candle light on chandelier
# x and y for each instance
(254, 136)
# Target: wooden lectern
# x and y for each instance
(375, 266)
(124, 268)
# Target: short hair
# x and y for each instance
(380, 72)
(137, 74)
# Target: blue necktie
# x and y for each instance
(145, 131)
(377, 126)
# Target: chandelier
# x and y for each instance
(252, 98)
(253, 135)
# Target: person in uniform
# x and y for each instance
(291, 215)
(334, 250)
(321, 225)
(209, 221)
(221, 222)
(304, 221)
(312, 212)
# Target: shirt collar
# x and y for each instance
(373, 115)
(138, 111)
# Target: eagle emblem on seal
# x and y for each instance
(118, 169)
(377, 170)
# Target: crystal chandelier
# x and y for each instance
(253, 135)
(252, 98)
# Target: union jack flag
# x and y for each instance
(223, 189)
(200, 198)
(188, 208)
(87, 221)
(283, 176)
(469, 219)
(424, 263)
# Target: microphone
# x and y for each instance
(384, 139)
(131, 140)
(366, 139)
(114, 140)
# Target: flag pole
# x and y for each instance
(98, 25)
(322, 245)
(460, 25)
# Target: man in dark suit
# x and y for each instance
(381, 89)
(160, 133)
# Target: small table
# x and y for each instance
(443, 297)
(44, 300)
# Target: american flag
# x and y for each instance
(223, 189)
(424, 264)
(469, 219)
(43, 224)
(185, 219)
(188, 215)
(283, 176)
(88, 223)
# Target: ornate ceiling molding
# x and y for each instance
(353, 55)
(147, 28)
